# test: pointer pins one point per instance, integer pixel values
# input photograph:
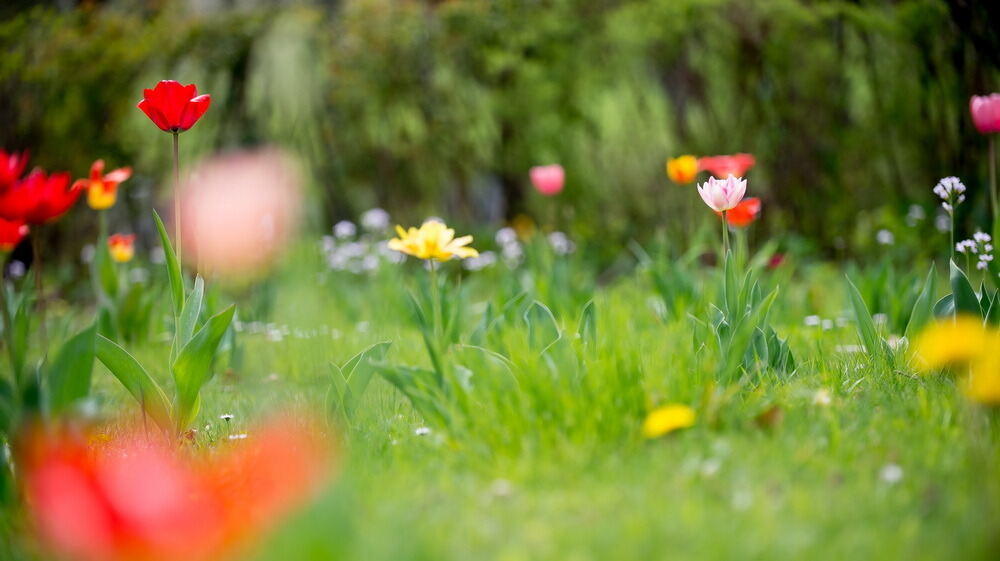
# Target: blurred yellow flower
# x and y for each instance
(966, 342)
(666, 419)
(953, 341)
(982, 385)
(682, 169)
(433, 240)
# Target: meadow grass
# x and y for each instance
(543, 458)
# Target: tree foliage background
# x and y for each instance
(854, 109)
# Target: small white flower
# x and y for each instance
(914, 215)
(226, 417)
(880, 318)
(812, 321)
(822, 397)
(891, 473)
(344, 229)
(981, 237)
(485, 259)
(561, 243)
(16, 269)
(505, 236)
(375, 220)
(422, 431)
(157, 256)
(87, 253)
(885, 237)
(827, 324)
(240, 436)
(942, 222)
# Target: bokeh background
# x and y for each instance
(854, 109)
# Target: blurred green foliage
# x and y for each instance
(441, 107)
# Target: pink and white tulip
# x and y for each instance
(985, 111)
(548, 180)
(723, 194)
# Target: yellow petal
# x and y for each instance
(667, 419)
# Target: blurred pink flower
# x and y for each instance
(724, 166)
(985, 111)
(548, 180)
(240, 211)
(723, 194)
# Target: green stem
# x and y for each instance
(725, 233)
(8, 331)
(36, 250)
(435, 303)
(177, 200)
(993, 182)
(951, 232)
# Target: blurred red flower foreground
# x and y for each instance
(136, 498)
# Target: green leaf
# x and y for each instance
(993, 313)
(730, 290)
(173, 267)
(188, 319)
(966, 301)
(102, 270)
(543, 330)
(193, 367)
(588, 326)
(923, 308)
(135, 379)
(21, 334)
(945, 307)
(359, 370)
(867, 331)
(69, 375)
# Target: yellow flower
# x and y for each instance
(122, 247)
(682, 169)
(666, 419)
(102, 189)
(433, 240)
(953, 341)
(982, 384)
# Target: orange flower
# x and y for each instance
(122, 247)
(743, 214)
(137, 497)
(102, 190)
(683, 169)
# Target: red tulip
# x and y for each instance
(174, 107)
(134, 497)
(11, 167)
(11, 234)
(724, 166)
(744, 213)
(986, 112)
(548, 180)
(38, 198)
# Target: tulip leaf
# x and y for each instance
(588, 326)
(102, 269)
(543, 330)
(70, 373)
(188, 319)
(923, 308)
(135, 379)
(193, 367)
(358, 370)
(867, 331)
(173, 267)
(966, 301)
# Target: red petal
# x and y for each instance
(118, 175)
(154, 114)
(96, 169)
(194, 110)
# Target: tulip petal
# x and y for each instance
(193, 110)
(154, 114)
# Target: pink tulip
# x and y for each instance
(723, 194)
(985, 111)
(548, 180)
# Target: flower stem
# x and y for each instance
(993, 181)
(177, 200)
(8, 331)
(951, 232)
(435, 303)
(725, 233)
(36, 250)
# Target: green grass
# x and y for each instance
(543, 457)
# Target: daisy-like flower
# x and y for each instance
(433, 240)
(952, 193)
